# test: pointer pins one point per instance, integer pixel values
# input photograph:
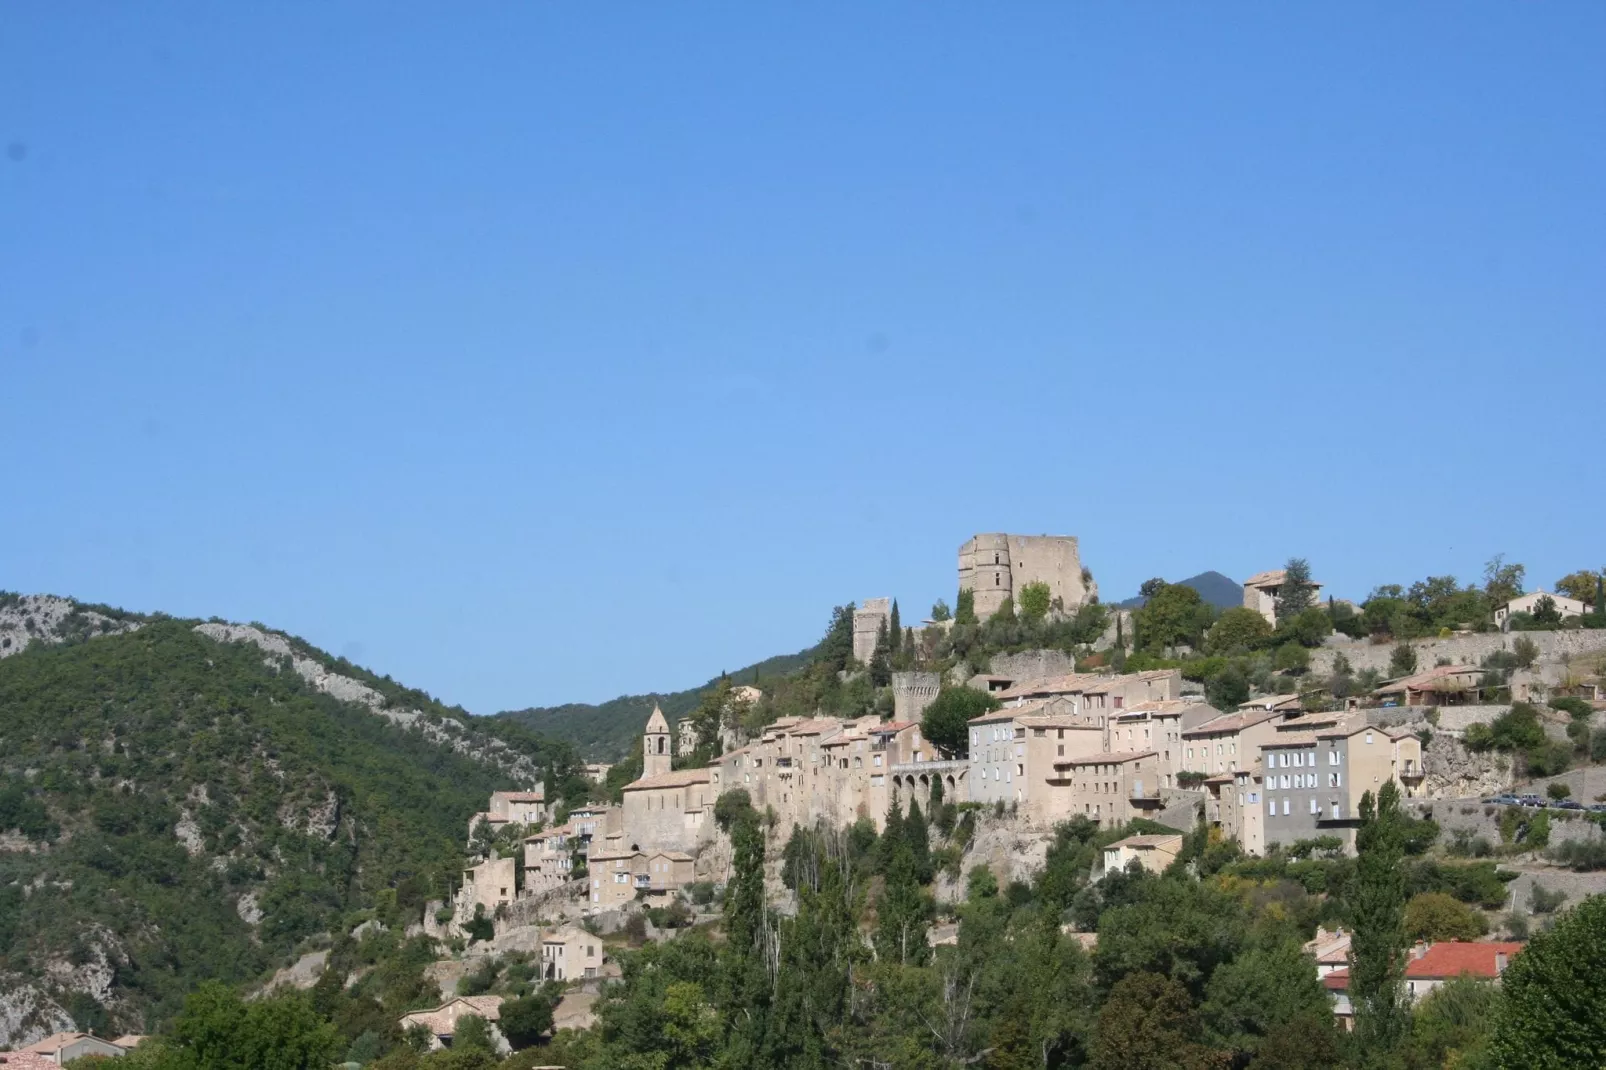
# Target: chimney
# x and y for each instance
(1499, 963)
(1420, 949)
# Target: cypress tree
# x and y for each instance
(881, 660)
(919, 837)
(895, 630)
(1377, 947)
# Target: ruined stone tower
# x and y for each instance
(912, 692)
(656, 754)
(867, 621)
(997, 566)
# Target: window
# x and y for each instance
(1271, 807)
(1285, 807)
(1335, 811)
(1368, 739)
(1062, 750)
(1315, 807)
(1299, 760)
(1285, 781)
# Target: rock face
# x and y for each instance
(27, 1014)
(1453, 772)
(45, 618)
(445, 731)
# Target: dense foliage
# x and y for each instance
(193, 811)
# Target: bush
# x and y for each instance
(1292, 658)
(1548, 760)
(523, 1021)
(1541, 900)
(1437, 916)
(1558, 789)
(1576, 708)
(1402, 660)
(1581, 855)
(1526, 651)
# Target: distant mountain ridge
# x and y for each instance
(605, 731)
(1216, 589)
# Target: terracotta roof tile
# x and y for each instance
(1452, 958)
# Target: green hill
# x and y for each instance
(604, 732)
(174, 807)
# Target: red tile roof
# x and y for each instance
(680, 778)
(1337, 981)
(1452, 958)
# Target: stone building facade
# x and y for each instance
(868, 620)
(996, 566)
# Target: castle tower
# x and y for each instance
(656, 754)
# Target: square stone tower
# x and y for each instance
(996, 566)
(867, 621)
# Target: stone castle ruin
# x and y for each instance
(867, 621)
(995, 567)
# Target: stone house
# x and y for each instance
(1098, 695)
(1288, 704)
(62, 1048)
(673, 810)
(597, 772)
(1113, 788)
(1263, 588)
(1330, 949)
(569, 953)
(613, 878)
(1567, 607)
(1228, 742)
(1018, 753)
(1154, 853)
(1233, 806)
(512, 807)
(490, 884)
(1317, 767)
(1442, 685)
(441, 1022)
(1157, 726)
(549, 859)
(1430, 965)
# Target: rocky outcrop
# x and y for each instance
(1451, 771)
(45, 618)
(445, 731)
(27, 1014)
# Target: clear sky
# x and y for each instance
(540, 352)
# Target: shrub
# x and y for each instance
(1402, 660)
(1558, 789)
(1573, 707)
(1542, 900)
(1437, 916)
(1581, 855)
(1526, 652)
(1292, 658)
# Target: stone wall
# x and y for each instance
(912, 692)
(1460, 649)
(1032, 665)
(1483, 819)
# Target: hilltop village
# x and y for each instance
(1029, 740)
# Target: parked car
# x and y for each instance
(1597, 808)
(1530, 800)
(1503, 800)
(1567, 804)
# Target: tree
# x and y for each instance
(1034, 600)
(946, 722)
(1150, 588)
(881, 658)
(218, 1031)
(965, 608)
(1237, 630)
(902, 913)
(1174, 616)
(895, 630)
(1377, 909)
(1451, 1026)
(473, 1033)
(1580, 586)
(1308, 628)
(940, 610)
(524, 1021)
(1259, 992)
(1402, 660)
(836, 649)
(1292, 659)
(1297, 593)
(1227, 689)
(1553, 1014)
(1149, 1023)
(918, 837)
(1435, 916)
(1502, 582)
(1545, 611)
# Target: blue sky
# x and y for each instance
(538, 353)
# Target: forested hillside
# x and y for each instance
(175, 808)
(606, 731)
